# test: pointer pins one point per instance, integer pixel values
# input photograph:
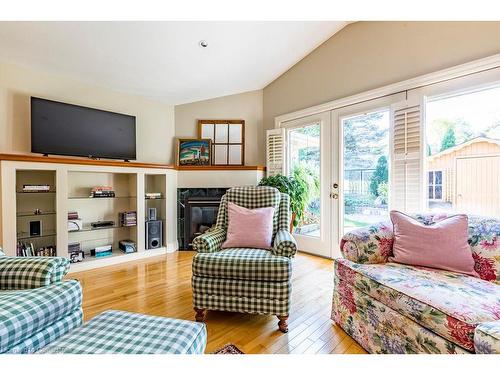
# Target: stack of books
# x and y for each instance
(153, 195)
(128, 219)
(25, 249)
(36, 188)
(102, 192)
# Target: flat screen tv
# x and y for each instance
(65, 129)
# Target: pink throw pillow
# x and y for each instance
(249, 228)
(442, 245)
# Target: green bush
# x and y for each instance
(294, 188)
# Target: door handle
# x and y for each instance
(334, 195)
(335, 185)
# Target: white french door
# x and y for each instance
(309, 150)
(364, 163)
(347, 153)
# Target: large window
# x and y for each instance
(463, 152)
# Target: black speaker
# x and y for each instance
(154, 237)
(35, 228)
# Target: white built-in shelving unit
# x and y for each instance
(71, 185)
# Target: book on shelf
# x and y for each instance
(102, 192)
(128, 218)
(27, 249)
(153, 195)
(32, 188)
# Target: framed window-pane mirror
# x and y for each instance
(228, 140)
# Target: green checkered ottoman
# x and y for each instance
(120, 332)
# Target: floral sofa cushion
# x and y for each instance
(487, 338)
(374, 244)
(447, 303)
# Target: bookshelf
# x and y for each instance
(37, 208)
(90, 210)
(70, 190)
(154, 197)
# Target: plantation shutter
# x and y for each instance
(275, 152)
(407, 187)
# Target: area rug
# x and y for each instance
(228, 349)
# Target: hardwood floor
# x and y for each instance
(162, 286)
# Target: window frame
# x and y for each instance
(434, 185)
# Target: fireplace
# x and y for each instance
(197, 212)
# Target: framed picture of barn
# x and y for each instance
(193, 151)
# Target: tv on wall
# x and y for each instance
(65, 129)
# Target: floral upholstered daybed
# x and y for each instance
(395, 308)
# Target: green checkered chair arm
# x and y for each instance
(284, 213)
(49, 334)
(210, 242)
(284, 244)
(23, 313)
(31, 272)
(121, 332)
(243, 264)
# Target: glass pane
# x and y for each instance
(304, 146)
(366, 170)
(235, 154)
(431, 178)
(220, 154)
(221, 133)
(438, 177)
(235, 133)
(463, 134)
(207, 131)
(431, 192)
(438, 192)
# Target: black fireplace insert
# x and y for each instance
(197, 212)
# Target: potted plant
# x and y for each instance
(298, 187)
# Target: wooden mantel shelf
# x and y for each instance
(119, 163)
(81, 161)
(222, 168)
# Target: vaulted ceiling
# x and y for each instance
(163, 60)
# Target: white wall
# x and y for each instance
(155, 120)
(247, 106)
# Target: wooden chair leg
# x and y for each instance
(200, 315)
(282, 324)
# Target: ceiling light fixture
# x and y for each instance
(203, 44)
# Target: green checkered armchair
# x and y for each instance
(254, 281)
(36, 306)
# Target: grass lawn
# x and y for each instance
(354, 223)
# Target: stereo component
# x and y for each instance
(152, 214)
(154, 234)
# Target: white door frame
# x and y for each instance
(321, 245)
